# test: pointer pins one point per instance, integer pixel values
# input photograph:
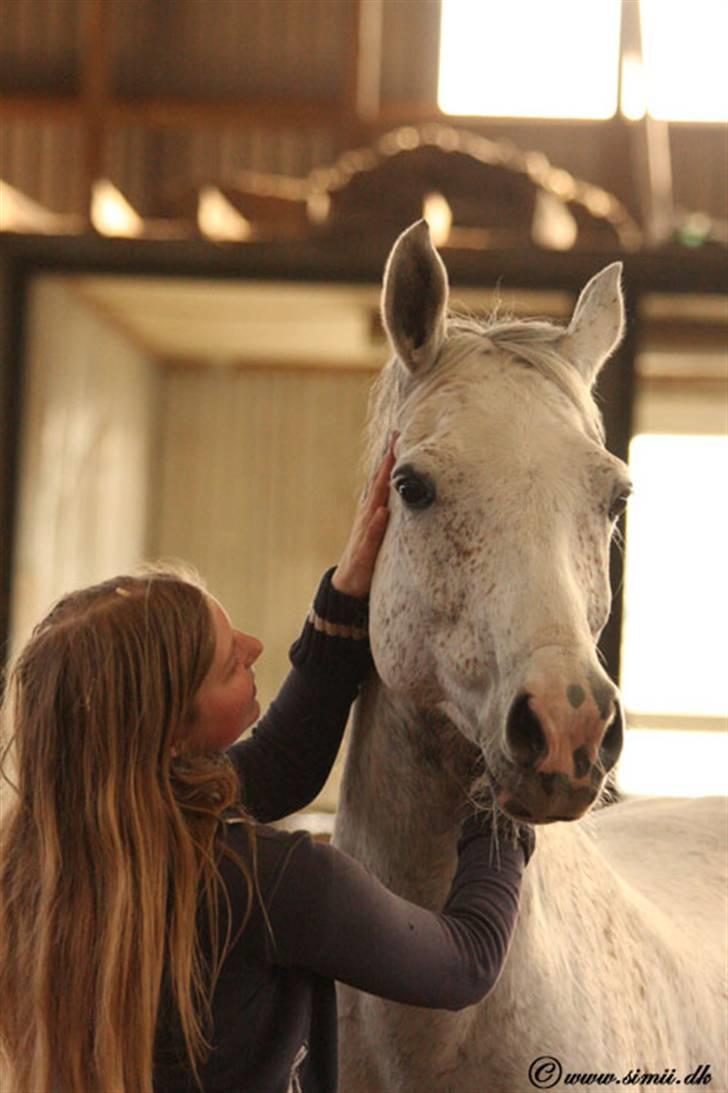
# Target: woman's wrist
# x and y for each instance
(334, 603)
(335, 633)
(341, 582)
(500, 831)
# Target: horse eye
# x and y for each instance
(417, 491)
(619, 504)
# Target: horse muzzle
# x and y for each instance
(563, 736)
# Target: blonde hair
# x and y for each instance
(110, 844)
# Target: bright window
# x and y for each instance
(671, 763)
(529, 58)
(684, 49)
(675, 640)
(675, 651)
(560, 58)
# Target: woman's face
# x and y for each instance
(226, 703)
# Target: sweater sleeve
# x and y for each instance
(286, 759)
(330, 916)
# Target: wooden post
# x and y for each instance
(650, 144)
(363, 58)
(12, 313)
(96, 91)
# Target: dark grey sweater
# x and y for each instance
(274, 1006)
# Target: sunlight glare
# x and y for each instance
(684, 48)
(675, 645)
(669, 763)
(111, 213)
(438, 214)
(218, 219)
(527, 58)
(633, 104)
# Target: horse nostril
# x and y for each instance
(525, 737)
(611, 745)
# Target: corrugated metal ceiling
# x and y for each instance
(298, 54)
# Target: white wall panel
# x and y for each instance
(258, 476)
(89, 402)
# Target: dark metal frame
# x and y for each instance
(24, 257)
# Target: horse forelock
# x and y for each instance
(536, 342)
(531, 341)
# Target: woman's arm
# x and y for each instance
(332, 917)
(285, 761)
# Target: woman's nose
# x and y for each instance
(251, 647)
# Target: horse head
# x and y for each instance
(492, 586)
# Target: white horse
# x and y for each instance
(489, 595)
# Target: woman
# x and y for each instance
(154, 933)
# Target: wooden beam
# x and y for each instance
(650, 144)
(367, 68)
(660, 223)
(362, 61)
(670, 270)
(687, 335)
(95, 90)
(282, 364)
(168, 110)
(418, 112)
(162, 111)
(272, 112)
(13, 305)
(17, 106)
(351, 55)
(180, 111)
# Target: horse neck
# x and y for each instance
(403, 794)
(403, 799)
(401, 808)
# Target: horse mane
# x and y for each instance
(533, 341)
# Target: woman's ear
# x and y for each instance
(414, 298)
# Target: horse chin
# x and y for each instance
(542, 799)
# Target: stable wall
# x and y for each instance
(258, 476)
(88, 431)
(249, 473)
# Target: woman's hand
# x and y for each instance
(353, 575)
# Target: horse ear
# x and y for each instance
(414, 298)
(597, 324)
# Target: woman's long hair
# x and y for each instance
(108, 850)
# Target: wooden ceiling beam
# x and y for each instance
(360, 88)
(37, 109)
(95, 83)
(167, 110)
(365, 69)
(162, 111)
